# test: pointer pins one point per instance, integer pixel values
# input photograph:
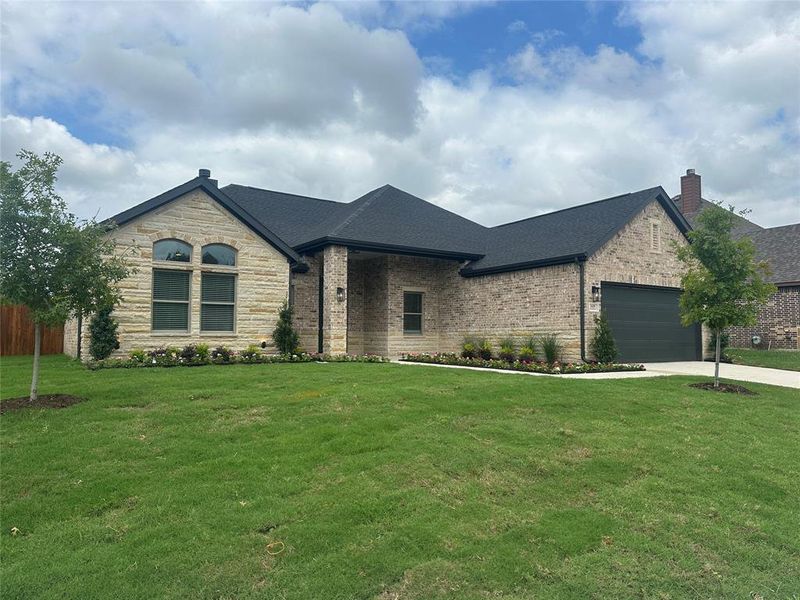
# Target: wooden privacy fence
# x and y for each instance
(16, 333)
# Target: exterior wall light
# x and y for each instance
(340, 294)
(595, 293)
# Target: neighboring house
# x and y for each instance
(779, 321)
(390, 273)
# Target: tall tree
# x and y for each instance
(723, 284)
(52, 263)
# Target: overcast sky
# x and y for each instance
(495, 111)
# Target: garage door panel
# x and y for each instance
(646, 323)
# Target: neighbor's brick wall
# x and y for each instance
(778, 322)
(262, 276)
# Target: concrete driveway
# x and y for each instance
(726, 371)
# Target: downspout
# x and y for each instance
(582, 292)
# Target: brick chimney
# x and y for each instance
(690, 192)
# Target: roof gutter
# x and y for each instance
(532, 264)
(320, 243)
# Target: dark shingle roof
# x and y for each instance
(385, 217)
(780, 247)
(566, 234)
(742, 226)
(391, 220)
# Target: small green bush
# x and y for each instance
(138, 355)
(251, 354)
(469, 348)
(285, 337)
(485, 350)
(103, 338)
(203, 352)
(551, 348)
(507, 350)
(602, 344)
(526, 354)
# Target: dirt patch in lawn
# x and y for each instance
(727, 388)
(44, 401)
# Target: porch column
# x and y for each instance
(334, 300)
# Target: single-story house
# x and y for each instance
(778, 324)
(390, 273)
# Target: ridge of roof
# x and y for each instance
(576, 207)
(366, 200)
(258, 189)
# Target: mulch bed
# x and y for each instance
(727, 388)
(44, 401)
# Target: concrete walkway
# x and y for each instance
(738, 372)
(704, 369)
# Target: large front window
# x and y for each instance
(171, 300)
(218, 302)
(412, 312)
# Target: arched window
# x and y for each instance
(172, 250)
(219, 254)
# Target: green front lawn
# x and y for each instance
(772, 359)
(389, 481)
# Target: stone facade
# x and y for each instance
(778, 322)
(262, 277)
(334, 310)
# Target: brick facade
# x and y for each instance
(262, 275)
(778, 322)
(517, 304)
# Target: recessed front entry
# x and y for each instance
(646, 324)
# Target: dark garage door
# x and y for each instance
(646, 323)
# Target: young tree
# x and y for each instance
(103, 338)
(50, 262)
(284, 335)
(723, 284)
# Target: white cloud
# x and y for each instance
(308, 101)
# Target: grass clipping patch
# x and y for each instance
(43, 401)
(728, 388)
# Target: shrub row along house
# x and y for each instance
(778, 323)
(390, 273)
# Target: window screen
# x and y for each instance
(171, 300)
(218, 301)
(412, 312)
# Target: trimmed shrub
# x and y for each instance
(285, 337)
(551, 348)
(203, 352)
(103, 338)
(602, 344)
(507, 350)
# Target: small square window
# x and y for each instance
(412, 312)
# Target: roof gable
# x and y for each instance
(223, 199)
(566, 235)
